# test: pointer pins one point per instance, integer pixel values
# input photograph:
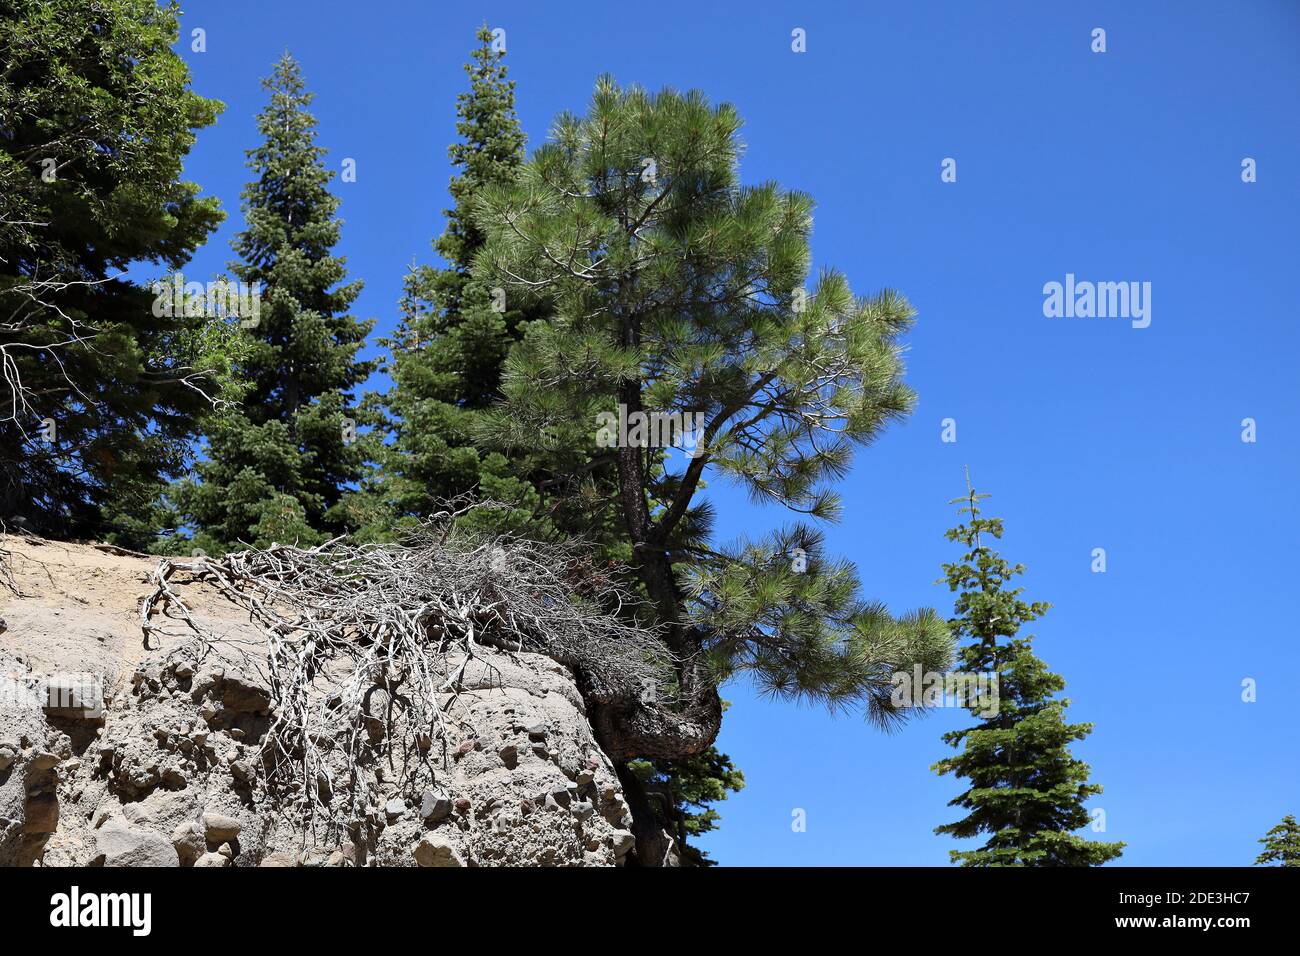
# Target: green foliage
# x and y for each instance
(96, 117)
(808, 636)
(1027, 792)
(278, 464)
(449, 347)
(678, 291)
(1281, 844)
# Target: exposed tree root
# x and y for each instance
(367, 650)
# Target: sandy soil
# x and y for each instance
(77, 606)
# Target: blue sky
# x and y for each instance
(1089, 433)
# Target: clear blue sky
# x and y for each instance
(1089, 433)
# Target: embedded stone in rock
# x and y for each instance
(74, 695)
(44, 760)
(242, 695)
(434, 850)
(174, 778)
(119, 845)
(138, 813)
(537, 732)
(189, 842)
(435, 806)
(560, 795)
(218, 828)
(622, 842)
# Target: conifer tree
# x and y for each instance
(101, 394)
(1281, 844)
(679, 293)
(277, 466)
(1026, 792)
(447, 359)
(453, 336)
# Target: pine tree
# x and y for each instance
(452, 339)
(101, 393)
(1281, 844)
(278, 465)
(680, 293)
(1027, 792)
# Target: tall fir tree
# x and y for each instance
(1026, 792)
(1281, 844)
(277, 466)
(453, 335)
(101, 393)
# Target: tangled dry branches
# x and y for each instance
(367, 648)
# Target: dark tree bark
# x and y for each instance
(654, 845)
(632, 729)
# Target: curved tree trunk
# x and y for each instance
(632, 729)
(628, 730)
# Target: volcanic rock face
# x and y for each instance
(166, 771)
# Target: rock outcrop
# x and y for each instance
(134, 757)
